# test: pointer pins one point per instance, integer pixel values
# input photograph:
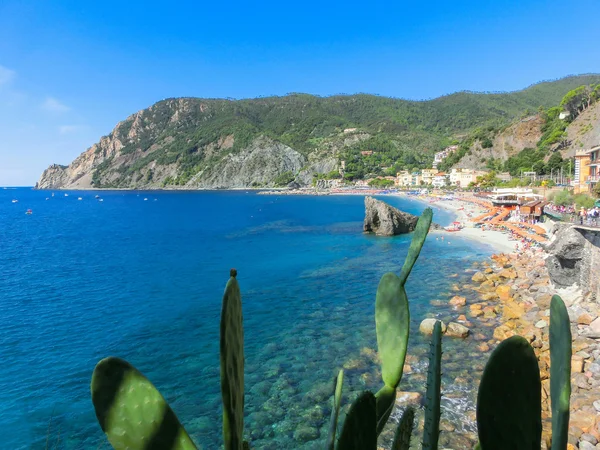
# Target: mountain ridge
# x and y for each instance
(196, 143)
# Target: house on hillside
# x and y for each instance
(587, 171)
(439, 156)
(366, 152)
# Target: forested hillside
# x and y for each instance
(214, 143)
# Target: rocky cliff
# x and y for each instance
(520, 135)
(196, 143)
(574, 258)
(385, 220)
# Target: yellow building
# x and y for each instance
(586, 169)
(428, 175)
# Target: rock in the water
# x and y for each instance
(457, 300)
(427, 325)
(457, 330)
(385, 220)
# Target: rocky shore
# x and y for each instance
(515, 292)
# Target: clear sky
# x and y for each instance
(70, 70)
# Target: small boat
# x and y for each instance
(79, 198)
(145, 199)
(66, 195)
(29, 212)
(101, 200)
(456, 226)
(97, 196)
(15, 201)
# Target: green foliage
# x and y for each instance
(560, 371)
(284, 179)
(195, 134)
(431, 431)
(509, 400)
(232, 365)
(381, 183)
(131, 411)
(583, 201)
(596, 190)
(563, 198)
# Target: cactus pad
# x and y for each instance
(418, 239)
(131, 411)
(385, 398)
(335, 411)
(232, 365)
(560, 371)
(359, 431)
(431, 431)
(404, 430)
(509, 401)
(392, 322)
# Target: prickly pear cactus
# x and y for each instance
(392, 322)
(509, 401)
(335, 411)
(560, 371)
(418, 239)
(132, 412)
(360, 427)
(404, 430)
(232, 365)
(431, 431)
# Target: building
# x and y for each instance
(463, 177)
(428, 175)
(439, 180)
(408, 179)
(504, 176)
(366, 152)
(586, 169)
(439, 156)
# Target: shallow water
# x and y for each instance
(143, 280)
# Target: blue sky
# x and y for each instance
(70, 70)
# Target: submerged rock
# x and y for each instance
(385, 220)
(457, 330)
(427, 325)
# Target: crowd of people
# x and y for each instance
(583, 216)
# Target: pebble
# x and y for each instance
(589, 438)
(597, 405)
(585, 445)
(541, 324)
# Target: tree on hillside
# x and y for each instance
(555, 162)
(577, 100)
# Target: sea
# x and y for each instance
(140, 275)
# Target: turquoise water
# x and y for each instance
(143, 280)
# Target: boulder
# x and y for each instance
(566, 252)
(479, 277)
(457, 300)
(427, 325)
(385, 220)
(503, 292)
(457, 330)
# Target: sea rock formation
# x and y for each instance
(385, 220)
(574, 258)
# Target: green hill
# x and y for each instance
(190, 142)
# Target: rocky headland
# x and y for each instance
(385, 220)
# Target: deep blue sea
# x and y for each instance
(141, 275)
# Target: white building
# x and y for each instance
(439, 180)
